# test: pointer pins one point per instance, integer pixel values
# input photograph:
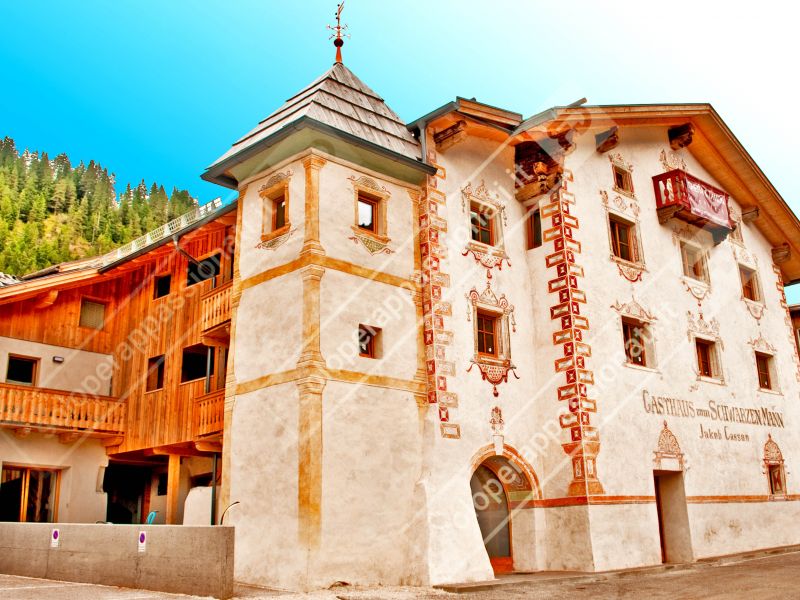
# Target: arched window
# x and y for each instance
(774, 469)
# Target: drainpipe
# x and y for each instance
(209, 358)
(214, 492)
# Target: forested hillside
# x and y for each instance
(52, 211)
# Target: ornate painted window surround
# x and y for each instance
(493, 369)
(276, 187)
(773, 461)
(375, 242)
(493, 255)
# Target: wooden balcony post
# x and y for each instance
(173, 485)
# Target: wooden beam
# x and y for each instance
(173, 486)
(213, 447)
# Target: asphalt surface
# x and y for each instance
(752, 579)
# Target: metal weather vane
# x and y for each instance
(338, 32)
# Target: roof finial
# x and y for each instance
(337, 32)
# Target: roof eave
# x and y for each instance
(216, 172)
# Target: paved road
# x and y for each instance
(770, 577)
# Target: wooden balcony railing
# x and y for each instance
(690, 199)
(209, 414)
(55, 410)
(215, 306)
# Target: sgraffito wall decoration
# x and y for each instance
(486, 255)
(787, 319)
(584, 439)
(436, 308)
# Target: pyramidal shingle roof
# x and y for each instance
(341, 100)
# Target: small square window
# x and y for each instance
(623, 182)
(694, 262)
(93, 314)
(534, 229)
(155, 373)
(776, 485)
(195, 362)
(368, 212)
(707, 358)
(278, 213)
(368, 341)
(22, 370)
(161, 286)
(623, 239)
(636, 336)
(487, 333)
(749, 279)
(203, 270)
(764, 368)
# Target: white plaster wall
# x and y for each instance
(80, 462)
(256, 260)
(368, 483)
(337, 216)
(269, 325)
(79, 366)
(624, 536)
(347, 301)
(264, 469)
(719, 529)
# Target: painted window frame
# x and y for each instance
(771, 372)
(634, 242)
(629, 326)
(689, 270)
(714, 359)
(492, 214)
(754, 284)
(379, 199)
(269, 197)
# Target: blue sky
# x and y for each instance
(157, 90)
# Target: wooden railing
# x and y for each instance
(681, 195)
(209, 414)
(46, 409)
(215, 306)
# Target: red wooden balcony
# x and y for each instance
(682, 196)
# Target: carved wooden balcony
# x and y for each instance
(215, 315)
(682, 196)
(209, 415)
(27, 409)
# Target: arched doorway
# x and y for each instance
(491, 507)
(500, 489)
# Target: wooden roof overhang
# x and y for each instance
(714, 146)
(42, 285)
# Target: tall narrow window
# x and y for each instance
(22, 370)
(278, 213)
(622, 179)
(368, 212)
(764, 370)
(482, 224)
(155, 373)
(368, 341)
(749, 283)
(93, 314)
(635, 335)
(694, 262)
(705, 357)
(534, 229)
(487, 333)
(161, 286)
(775, 473)
(623, 239)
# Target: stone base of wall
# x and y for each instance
(177, 559)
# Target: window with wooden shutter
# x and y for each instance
(623, 239)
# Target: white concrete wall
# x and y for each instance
(81, 499)
(79, 366)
